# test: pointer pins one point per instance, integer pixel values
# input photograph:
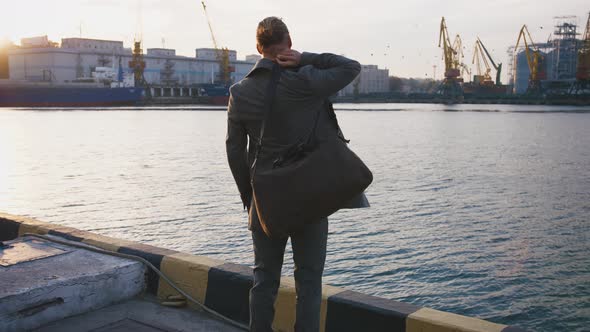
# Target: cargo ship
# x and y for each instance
(476, 90)
(214, 94)
(102, 89)
(67, 95)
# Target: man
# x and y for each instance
(306, 81)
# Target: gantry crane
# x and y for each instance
(582, 84)
(481, 55)
(222, 55)
(450, 87)
(535, 60)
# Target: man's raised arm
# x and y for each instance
(327, 73)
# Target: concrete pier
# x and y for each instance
(72, 281)
(219, 285)
(141, 314)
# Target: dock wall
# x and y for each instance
(224, 287)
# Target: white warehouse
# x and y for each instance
(41, 60)
(371, 80)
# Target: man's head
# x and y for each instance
(272, 37)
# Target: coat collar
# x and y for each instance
(262, 64)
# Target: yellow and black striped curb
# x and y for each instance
(224, 287)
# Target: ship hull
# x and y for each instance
(219, 100)
(217, 94)
(19, 96)
(484, 90)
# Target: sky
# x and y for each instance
(401, 36)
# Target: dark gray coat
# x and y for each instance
(300, 93)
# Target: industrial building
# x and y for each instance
(75, 59)
(371, 80)
(559, 56)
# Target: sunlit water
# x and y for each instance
(478, 213)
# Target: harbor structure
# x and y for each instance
(582, 84)
(558, 58)
(565, 46)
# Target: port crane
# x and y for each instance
(534, 60)
(582, 84)
(482, 56)
(450, 86)
(463, 69)
(482, 77)
(222, 55)
(137, 64)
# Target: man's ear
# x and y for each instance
(258, 48)
(290, 42)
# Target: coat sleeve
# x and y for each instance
(327, 73)
(236, 144)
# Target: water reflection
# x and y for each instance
(478, 213)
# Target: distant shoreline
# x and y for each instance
(420, 99)
(338, 106)
(432, 99)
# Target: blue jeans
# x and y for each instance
(309, 256)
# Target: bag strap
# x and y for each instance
(268, 100)
(312, 134)
(332, 114)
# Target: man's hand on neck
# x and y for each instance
(288, 58)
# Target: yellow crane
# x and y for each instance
(535, 60)
(222, 54)
(479, 60)
(463, 69)
(450, 86)
(485, 56)
(449, 52)
(137, 64)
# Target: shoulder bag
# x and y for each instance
(308, 181)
